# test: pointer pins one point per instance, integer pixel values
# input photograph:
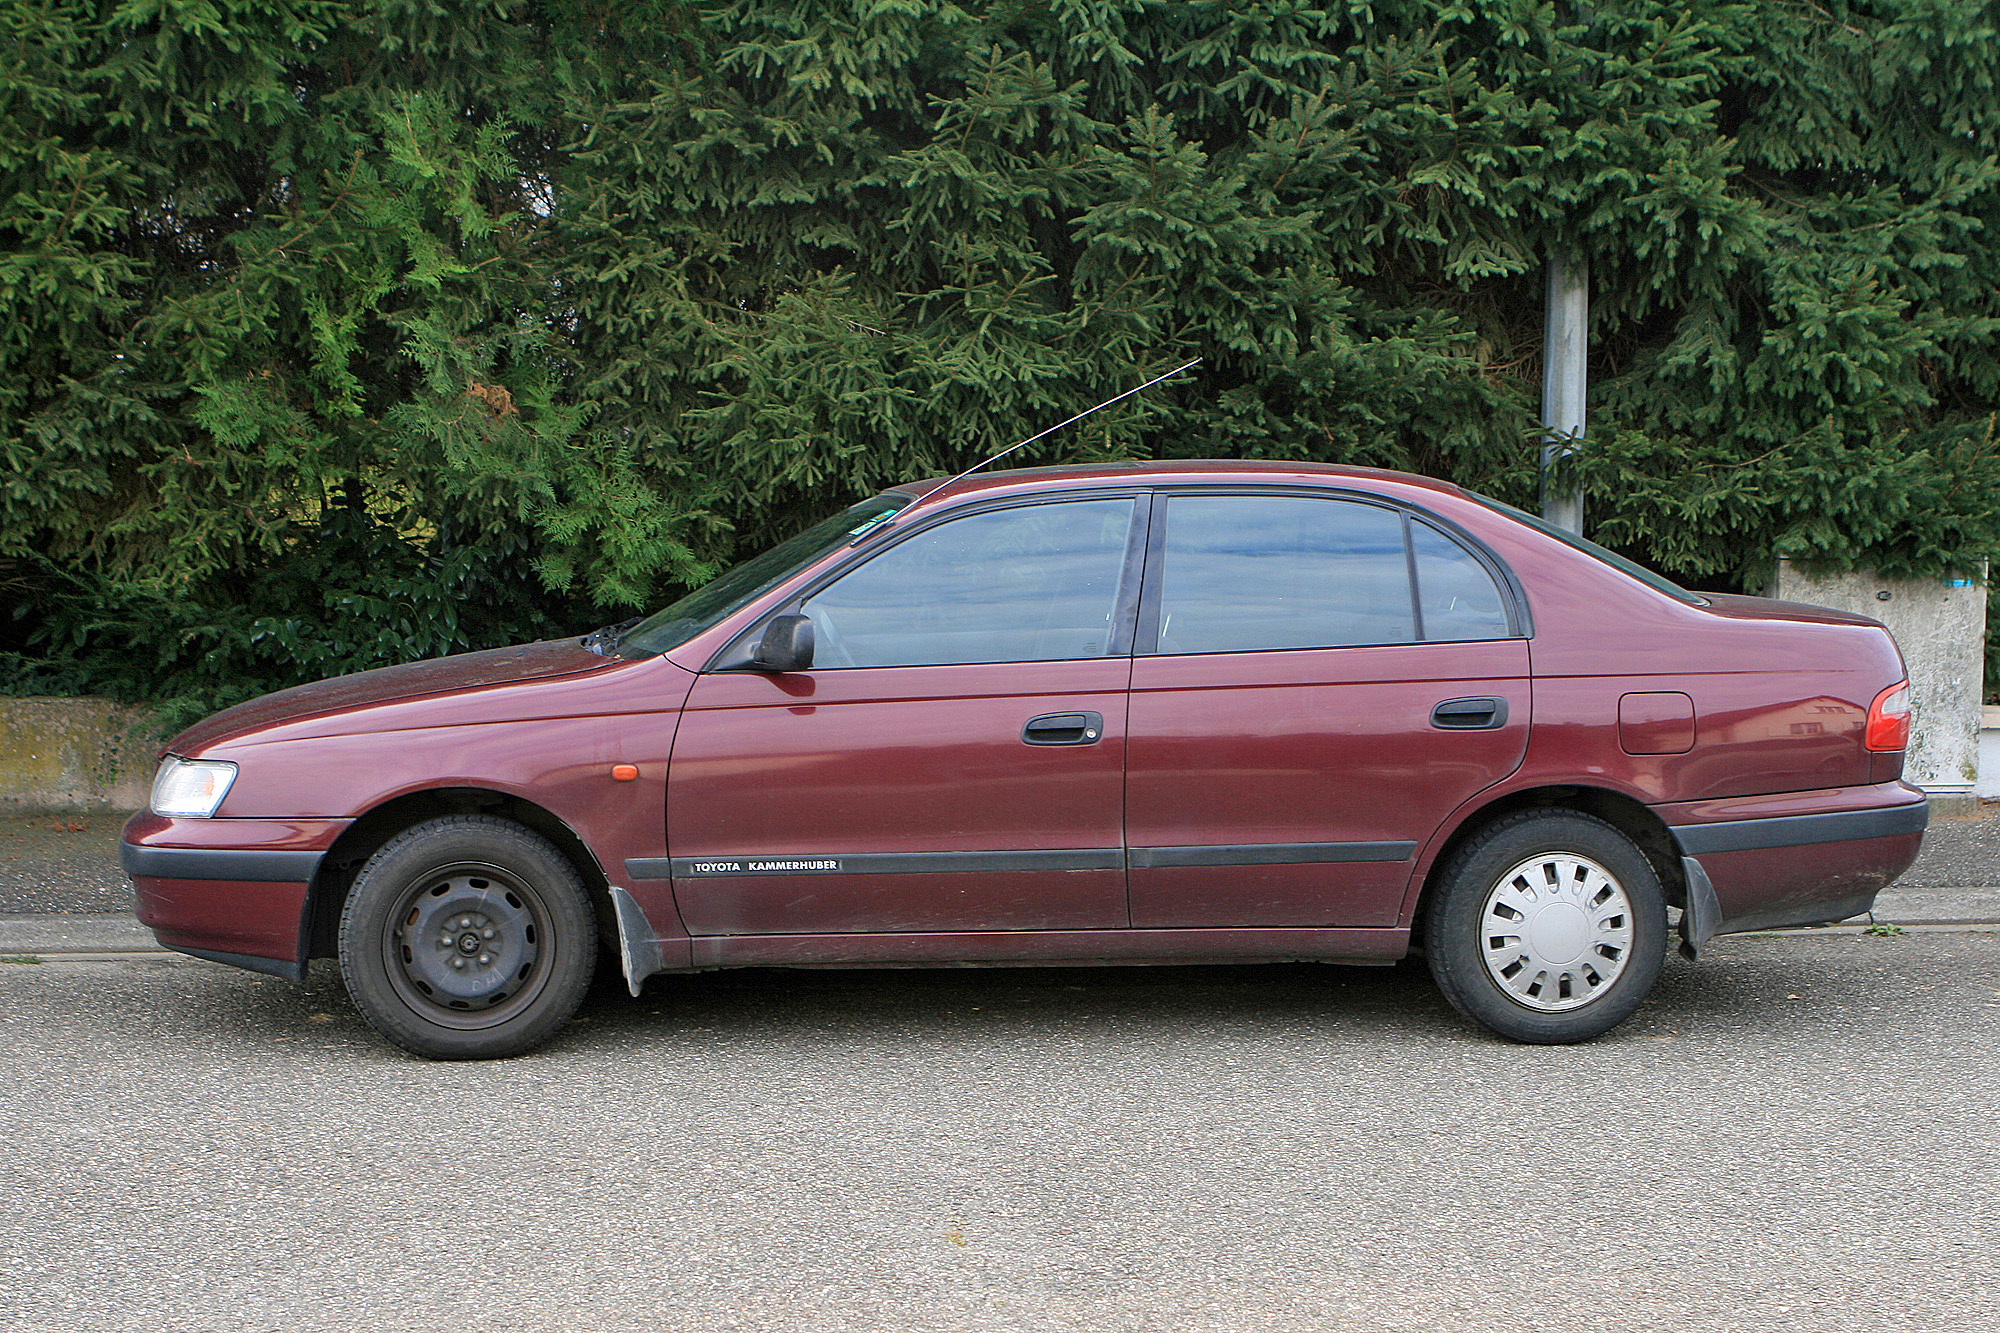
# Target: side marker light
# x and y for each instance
(624, 772)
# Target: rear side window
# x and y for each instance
(1242, 573)
(1457, 593)
(1250, 573)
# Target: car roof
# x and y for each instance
(1210, 471)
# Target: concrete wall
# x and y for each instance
(1941, 628)
(75, 754)
(1989, 753)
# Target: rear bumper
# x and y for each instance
(1803, 858)
(230, 890)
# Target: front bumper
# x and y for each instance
(1803, 858)
(232, 890)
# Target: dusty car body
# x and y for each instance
(1191, 771)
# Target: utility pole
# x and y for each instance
(1565, 339)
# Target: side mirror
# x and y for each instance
(787, 645)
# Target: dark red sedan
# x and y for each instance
(1174, 712)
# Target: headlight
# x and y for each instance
(191, 788)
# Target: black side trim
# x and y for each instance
(878, 863)
(1269, 854)
(276, 967)
(215, 863)
(1743, 835)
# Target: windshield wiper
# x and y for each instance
(605, 641)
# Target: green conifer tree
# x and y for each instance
(338, 334)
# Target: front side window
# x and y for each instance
(1033, 583)
(719, 598)
(1244, 573)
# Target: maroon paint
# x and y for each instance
(1779, 693)
(147, 829)
(1657, 723)
(1307, 746)
(1805, 885)
(544, 736)
(257, 919)
(1778, 805)
(253, 918)
(898, 759)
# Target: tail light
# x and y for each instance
(1889, 719)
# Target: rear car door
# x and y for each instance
(953, 760)
(1320, 680)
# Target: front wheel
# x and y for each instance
(1548, 927)
(467, 938)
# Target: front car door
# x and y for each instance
(1320, 680)
(953, 761)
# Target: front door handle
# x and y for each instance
(1470, 714)
(1064, 729)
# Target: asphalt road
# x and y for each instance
(1798, 1134)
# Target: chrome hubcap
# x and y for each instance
(1555, 931)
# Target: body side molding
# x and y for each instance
(1743, 835)
(876, 863)
(1269, 854)
(216, 863)
(1358, 945)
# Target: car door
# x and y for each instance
(953, 760)
(1320, 680)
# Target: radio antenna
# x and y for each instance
(1032, 438)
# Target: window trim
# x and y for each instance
(1513, 599)
(734, 655)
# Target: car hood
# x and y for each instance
(364, 689)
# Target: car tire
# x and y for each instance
(468, 938)
(1548, 927)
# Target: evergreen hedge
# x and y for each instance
(341, 332)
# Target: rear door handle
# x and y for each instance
(1064, 729)
(1470, 714)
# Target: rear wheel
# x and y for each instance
(467, 938)
(1548, 927)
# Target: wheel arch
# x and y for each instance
(1624, 813)
(327, 895)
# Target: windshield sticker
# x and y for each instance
(871, 524)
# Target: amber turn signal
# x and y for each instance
(625, 772)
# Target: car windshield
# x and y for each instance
(709, 604)
(1590, 548)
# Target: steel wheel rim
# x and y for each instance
(1555, 932)
(468, 945)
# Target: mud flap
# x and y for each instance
(638, 950)
(1699, 918)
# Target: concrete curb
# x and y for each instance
(53, 934)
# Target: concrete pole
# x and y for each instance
(1565, 340)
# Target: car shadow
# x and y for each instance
(1747, 985)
